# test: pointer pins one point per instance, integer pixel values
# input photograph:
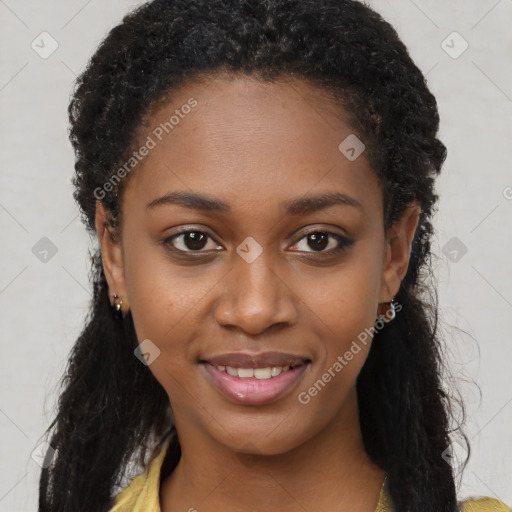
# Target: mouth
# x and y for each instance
(254, 384)
(262, 373)
(260, 360)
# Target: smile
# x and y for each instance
(254, 386)
(259, 373)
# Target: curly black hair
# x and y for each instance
(111, 407)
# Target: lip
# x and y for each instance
(256, 360)
(252, 391)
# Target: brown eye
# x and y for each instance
(189, 241)
(318, 241)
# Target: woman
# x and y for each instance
(260, 179)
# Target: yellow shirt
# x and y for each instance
(142, 494)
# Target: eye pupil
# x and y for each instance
(319, 237)
(192, 238)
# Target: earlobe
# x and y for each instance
(398, 251)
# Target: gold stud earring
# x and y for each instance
(116, 307)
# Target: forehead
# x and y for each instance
(249, 141)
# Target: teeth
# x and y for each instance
(258, 373)
(263, 373)
(232, 371)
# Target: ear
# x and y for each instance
(112, 257)
(398, 251)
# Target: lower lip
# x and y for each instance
(252, 391)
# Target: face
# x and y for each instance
(284, 252)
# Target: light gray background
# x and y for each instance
(43, 304)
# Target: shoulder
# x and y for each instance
(484, 505)
(142, 494)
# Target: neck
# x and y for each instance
(330, 472)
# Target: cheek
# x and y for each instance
(162, 307)
(344, 307)
(158, 302)
(165, 301)
(156, 287)
(346, 298)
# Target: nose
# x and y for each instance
(255, 296)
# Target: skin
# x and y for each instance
(255, 145)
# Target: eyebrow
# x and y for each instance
(297, 206)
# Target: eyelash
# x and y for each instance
(343, 243)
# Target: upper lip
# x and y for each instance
(256, 360)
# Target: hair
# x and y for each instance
(111, 407)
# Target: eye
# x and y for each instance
(189, 241)
(319, 240)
